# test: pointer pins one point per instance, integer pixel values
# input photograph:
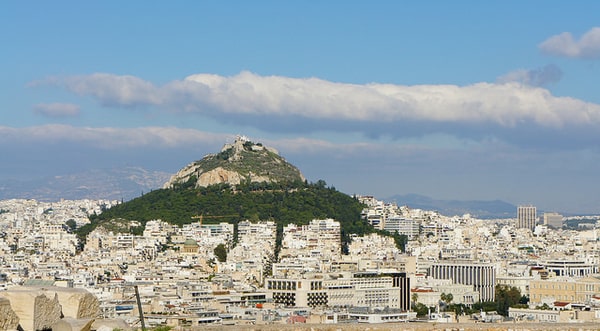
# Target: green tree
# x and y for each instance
(524, 300)
(400, 240)
(543, 307)
(484, 306)
(414, 298)
(71, 224)
(221, 252)
(506, 297)
(458, 309)
(421, 309)
(446, 298)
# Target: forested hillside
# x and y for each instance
(284, 203)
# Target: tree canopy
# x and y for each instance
(290, 202)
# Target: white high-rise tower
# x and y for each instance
(526, 217)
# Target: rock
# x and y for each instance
(77, 303)
(8, 318)
(219, 176)
(40, 308)
(110, 325)
(240, 162)
(36, 308)
(71, 324)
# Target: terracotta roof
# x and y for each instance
(421, 290)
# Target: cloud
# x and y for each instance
(487, 169)
(588, 47)
(109, 138)
(535, 77)
(56, 110)
(60, 149)
(152, 139)
(64, 146)
(299, 105)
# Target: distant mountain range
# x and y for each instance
(113, 184)
(477, 208)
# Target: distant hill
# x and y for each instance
(477, 208)
(113, 184)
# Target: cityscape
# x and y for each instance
(299, 165)
(451, 269)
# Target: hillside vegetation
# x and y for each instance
(285, 203)
(245, 181)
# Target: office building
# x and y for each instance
(526, 217)
(554, 220)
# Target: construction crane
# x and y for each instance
(201, 217)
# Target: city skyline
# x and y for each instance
(466, 101)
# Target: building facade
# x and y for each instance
(481, 276)
(580, 290)
(526, 217)
(402, 225)
(571, 267)
(554, 220)
(358, 289)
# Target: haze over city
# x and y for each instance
(453, 100)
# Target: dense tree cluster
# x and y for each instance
(290, 202)
(221, 252)
(506, 297)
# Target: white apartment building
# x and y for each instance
(319, 239)
(256, 230)
(402, 225)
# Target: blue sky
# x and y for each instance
(450, 99)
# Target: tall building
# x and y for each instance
(554, 220)
(526, 217)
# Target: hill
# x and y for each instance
(238, 163)
(254, 183)
(285, 203)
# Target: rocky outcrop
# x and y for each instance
(219, 176)
(240, 162)
(8, 319)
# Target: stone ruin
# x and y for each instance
(44, 308)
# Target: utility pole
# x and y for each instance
(139, 304)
